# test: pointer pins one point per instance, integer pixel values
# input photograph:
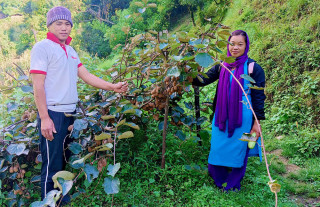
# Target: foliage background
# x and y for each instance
(285, 38)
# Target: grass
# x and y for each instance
(144, 183)
(284, 35)
(285, 39)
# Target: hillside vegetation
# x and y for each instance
(285, 39)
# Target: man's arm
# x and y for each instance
(94, 81)
(47, 125)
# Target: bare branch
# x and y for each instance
(95, 14)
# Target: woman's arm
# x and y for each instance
(258, 97)
(213, 75)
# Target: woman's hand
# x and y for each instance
(120, 87)
(255, 129)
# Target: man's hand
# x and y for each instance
(120, 87)
(255, 129)
(47, 128)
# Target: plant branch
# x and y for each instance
(256, 120)
(11, 125)
(164, 133)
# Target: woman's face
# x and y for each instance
(238, 47)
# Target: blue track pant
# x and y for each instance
(53, 152)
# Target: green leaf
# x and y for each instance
(35, 179)
(204, 59)
(111, 185)
(37, 204)
(180, 135)
(66, 185)
(104, 147)
(121, 123)
(203, 75)
(7, 91)
(16, 149)
(11, 106)
(75, 148)
(3, 169)
(23, 77)
(229, 59)
(208, 26)
(130, 111)
(247, 137)
(222, 43)
(200, 120)
(163, 45)
(66, 175)
(102, 136)
(173, 72)
(224, 34)
(113, 169)
(80, 124)
(204, 134)
(82, 160)
(112, 110)
(125, 29)
(142, 10)
(200, 46)
(160, 126)
(125, 135)
(1, 163)
(138, 112)
(274, 186)
(187, 58)
(91, 172)
(248, 78)
(152, 5)
(107, 117)
(51, 198)
(27, 89)
(177, 58)
(188, 105)
(257, 88)
(200, 79)
(170, 192)
(138, 3)
(132, 125)
(126, 103)
(187, 167)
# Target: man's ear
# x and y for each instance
(50, 27)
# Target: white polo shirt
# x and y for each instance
(60, 64)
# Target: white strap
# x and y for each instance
(251, 67)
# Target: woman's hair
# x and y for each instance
(239, 32)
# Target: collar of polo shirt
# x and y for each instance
(53, 38)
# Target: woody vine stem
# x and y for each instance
(256, 120)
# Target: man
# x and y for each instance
(55, 67)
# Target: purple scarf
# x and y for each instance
(229, 107)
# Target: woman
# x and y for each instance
(228, 155)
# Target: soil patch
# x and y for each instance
(290, 168)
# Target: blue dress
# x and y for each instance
(230, 151)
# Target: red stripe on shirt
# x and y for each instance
(38, 72)
(79, 65)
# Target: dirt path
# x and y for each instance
(292, 168)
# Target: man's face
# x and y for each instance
(61, 29)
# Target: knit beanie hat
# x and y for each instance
(58, 13)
